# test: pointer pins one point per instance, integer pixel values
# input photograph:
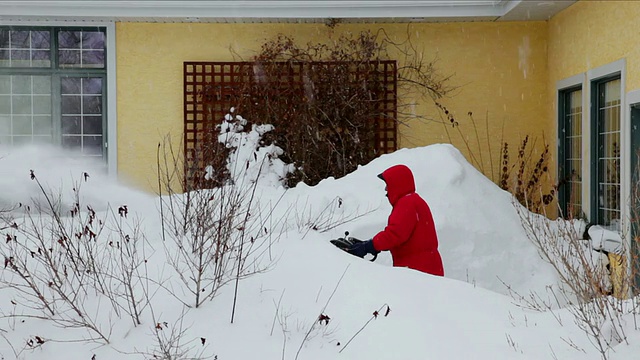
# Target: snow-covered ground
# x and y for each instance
(468, 314)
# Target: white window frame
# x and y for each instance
(585, 79)
(112, 118)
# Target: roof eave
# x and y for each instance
(283, 9)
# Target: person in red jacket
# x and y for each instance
(410, 233)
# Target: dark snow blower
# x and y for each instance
(345, 243)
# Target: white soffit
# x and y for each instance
(279, 10)
(535, 10)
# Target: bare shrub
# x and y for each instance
(526, 176)
(374, 315)
(586, 289)
(334, 104)
(325, 217)
(123, 265)
(322, 317)
(171, 343)
(219, 234)
(57, 260)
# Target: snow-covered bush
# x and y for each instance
(250, 160)
(220, 232)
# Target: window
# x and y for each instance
(53, 87)
(605, 137)
(570, 152)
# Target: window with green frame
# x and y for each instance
(605, 140)
(53, 87)
(570, 152)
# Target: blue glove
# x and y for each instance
(360, 249)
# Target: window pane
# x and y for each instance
(42, 125)
(69, 57)
(21, 104)
(5, 104)
(20, 58)
(41, 40)
(92, 145)
(5, 125)
(41, 85)
(22, 125)
(612, 92)
(19, 39)
(71, 105)
(21, 85)
(92, 86)
(571, 199)
(25, 48)
(608, 140)
(92, 125)
(69, 39)
(93, 40)
(5, 84)
(93, 58)
(71, 125)
(70, 85)
(42, 105)
(91, 104)
(40, 58)
(4, 39)
(25, 113)
(71, 142)
(83, 49)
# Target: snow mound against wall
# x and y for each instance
(480, 235)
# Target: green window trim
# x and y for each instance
(570, 153)
(87, 59)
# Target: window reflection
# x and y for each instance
(609, 153)
(28, 113)
(19, 39)
(81, 49)
(25, 48)
(82, 114)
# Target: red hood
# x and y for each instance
(399, 179)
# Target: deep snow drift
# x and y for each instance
(465, 315)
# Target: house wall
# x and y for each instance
(590, 34)
(499, 69)
(587, 40)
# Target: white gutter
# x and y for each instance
(88, 9)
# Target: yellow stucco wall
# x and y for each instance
(500, 69)
(590, 34)
(586, 36)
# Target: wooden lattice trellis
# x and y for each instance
(223, 82)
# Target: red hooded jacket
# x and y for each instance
(410, 233)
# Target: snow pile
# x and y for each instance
(464, 315)
(480, 234)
